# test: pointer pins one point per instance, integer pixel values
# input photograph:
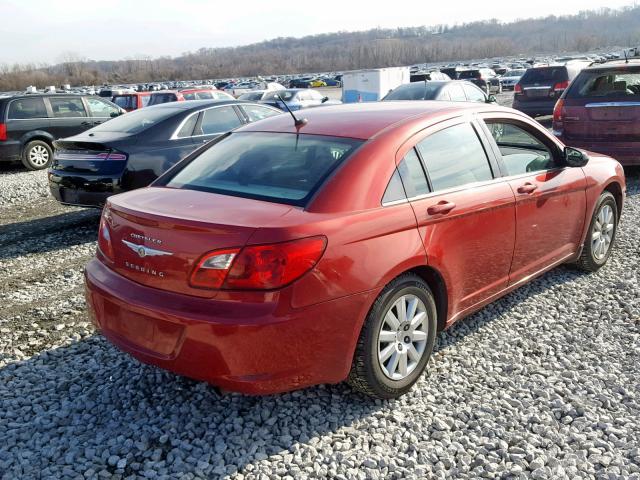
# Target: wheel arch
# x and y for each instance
(37, 135)
(438, 287)
(616, 190)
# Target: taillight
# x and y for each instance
(91, 156)
(104, 235)
(258, 267)
(517, 88)
(560, 86)
(557, 111)
(3, 131)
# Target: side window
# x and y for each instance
(187, 128)
(454, 156)
(67, 107)
(395, 190)
(27, 108)
(521, 151)
(145, 99)
(256, 112)
(219, 120)
(204, 95)
(456, 93)
(189, 96)
(473, 94)
(412, 175)
(99, 108)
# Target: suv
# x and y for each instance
(484, 78)
(600, 111)
(132, 101)
(29, 123)
(540, 87)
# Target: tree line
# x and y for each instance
(581, 32)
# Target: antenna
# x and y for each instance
(626, 59)
(298, 122)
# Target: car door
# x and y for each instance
(26, 115)
(68, 116)
(466, 216)
(550, 197)
(100, 111)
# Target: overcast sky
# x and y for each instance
(44, 31)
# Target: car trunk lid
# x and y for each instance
(91, 153)
(158, 234)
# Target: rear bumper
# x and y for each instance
(627, 155)
(84, 191)
(254, 348)
(535, 108)
(10, 151)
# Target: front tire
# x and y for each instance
(37, 155)
(601, 235)
(396, 340)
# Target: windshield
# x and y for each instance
(286, 95)
(622, 83)
(514, 73)
(414, 91)
(158, 98)
(279, 167)
(136, 121)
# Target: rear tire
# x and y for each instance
(37, 155)
(601, 234)
(394, 347)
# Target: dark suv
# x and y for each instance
(29, 123)
(540, 87)
(600, 111)
(483, 78)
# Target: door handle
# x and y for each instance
(86, 123)
(98, 122)
(527, 188)
(441, 208)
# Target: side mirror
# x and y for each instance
(324, 99)
(492, 99)
(574, 157)
(115, 114)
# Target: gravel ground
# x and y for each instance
(541, 384)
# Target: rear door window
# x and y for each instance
(219, 120)
(145, 99)
(413, 176)
(25, 108)
(67, 107)
(473, 94)
(257, 112)
(455, 156)
(456, 93)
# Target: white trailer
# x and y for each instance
(372, 84)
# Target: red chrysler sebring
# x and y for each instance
(288, 254)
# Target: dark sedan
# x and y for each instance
(131, 151)
(452, 90)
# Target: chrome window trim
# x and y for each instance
(612, 104)
(175, 133)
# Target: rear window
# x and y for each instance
(414, 91)
(545, 75)
(278, 167)
(125, 101)
(285, 95)
(27, 108)
(136, 121)
(622, 83)
(158, 98)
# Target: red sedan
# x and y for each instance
(285, 255)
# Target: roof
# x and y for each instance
(196, 104)
(618, 63)
(361, 120)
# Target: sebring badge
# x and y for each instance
(143, 251)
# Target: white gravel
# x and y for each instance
(542, 384)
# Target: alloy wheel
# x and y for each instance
(402, 337)
(38, 156)
(602, 233)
